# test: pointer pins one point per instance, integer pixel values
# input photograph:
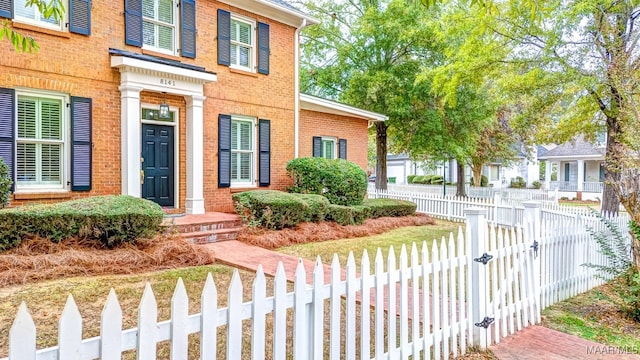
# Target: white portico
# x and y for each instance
(143, 73)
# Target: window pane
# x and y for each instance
(245, 167)
(26, 163)
(51, 120)
(234, 54)
(234, 30)
(27, 118)
(51, 159)
(244, 56)
(234, 166)
(23, 11)
(165, 11)
(245, 136)
(148, 33)
(244, 33)
(327, 149)
(495, 173)
(165, 37)
(148, 9)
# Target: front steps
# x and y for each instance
(205, 228)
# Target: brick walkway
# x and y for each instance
(533, 343)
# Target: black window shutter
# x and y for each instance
(224, 150)
(7, 131)
(317, 146)
(224, 37)
(133, 22)
(263, 48)
(6, 9)
(343, 148)
(80, 16)
(264, 131)
(81, 152)
(188, 28)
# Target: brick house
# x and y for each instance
(178, 101)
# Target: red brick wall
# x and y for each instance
(79, 65)
(313, 123)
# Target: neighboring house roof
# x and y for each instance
(313, 103)
(578, 149)
(398, 157)
(279, 10)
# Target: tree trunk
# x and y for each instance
(477, 174)
(381, 155)
(460, 190)
(610, 200)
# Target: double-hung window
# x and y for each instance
(242, 43)
(494, 172)
(159, 24)
(40, 142)
(242, 150)
(328, 148)
(32, 15)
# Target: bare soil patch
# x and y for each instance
(315, 232)
(39, 259)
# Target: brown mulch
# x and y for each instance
(38, 259)
(315, 232)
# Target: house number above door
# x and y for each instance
(167, 82)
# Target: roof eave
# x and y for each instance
(313, 103)
(273, 11)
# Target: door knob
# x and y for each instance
(142, 177)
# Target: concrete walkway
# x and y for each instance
(532, 343)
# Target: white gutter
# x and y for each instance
(296, 92)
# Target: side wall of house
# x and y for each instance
(354, 130)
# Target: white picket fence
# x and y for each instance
(507, 194)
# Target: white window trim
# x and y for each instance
(176, 31)
(335, 146)
(176, 145)
(64, 21)
(66, 142)
(252, 181)
(491, 173)
(254, 40)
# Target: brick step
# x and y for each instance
(206, 226)
(211, 236)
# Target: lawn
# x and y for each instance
(395, 238)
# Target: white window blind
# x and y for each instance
(242, 42)
(159, 24)
(242, 151)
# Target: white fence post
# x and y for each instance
(532, 217)
(477, 232)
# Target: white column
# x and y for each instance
(532, 217)
(476, 234)
(547, 174)
(195, 155)
(580, 174)
(130, 140)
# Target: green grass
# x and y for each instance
(593, 316)
(395, 238)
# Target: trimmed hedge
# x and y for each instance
(317, 207)
(5, 184)
(349, 215)
(270, 209)
(110, 219)
(389, 207)
(340, 181)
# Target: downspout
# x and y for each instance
(296, 74)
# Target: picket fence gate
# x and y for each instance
(439, 297)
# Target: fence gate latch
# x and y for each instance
(484, 259)
(535, 247)
(485, 322)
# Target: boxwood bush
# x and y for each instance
(110, 219)
(389, 207)
(5, 184)
(316, 207)
(348, 215)
(340, 181)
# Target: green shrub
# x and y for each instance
(348, 215)
(518, 183)
(536, 184)
(410, 179)
(316, 207)
(389, 207)
(484, 181)
(270, 209)
(436, 180)
(340, 181)
(5, 184)
(419, 179)
(110, 219)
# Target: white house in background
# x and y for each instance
(402, 165)
(501, 176)
(579, 167)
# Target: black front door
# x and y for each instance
(158, 164)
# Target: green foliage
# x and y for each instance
(484, 181)
(613, 245)
(390, 207)
(348, 215)
(536, 184)
(110, 219)
(316, 208)
(54, 9)
(5, 184)
(518, 183)
(410, 179)
(340, 181)
(270, 209)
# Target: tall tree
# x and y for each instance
(368, 53)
